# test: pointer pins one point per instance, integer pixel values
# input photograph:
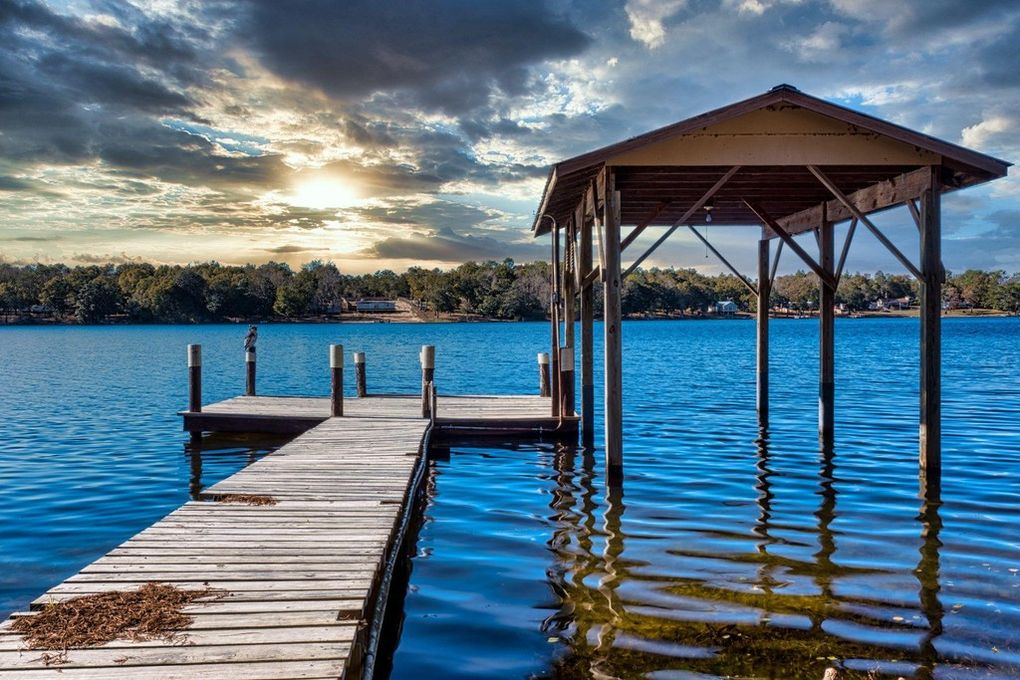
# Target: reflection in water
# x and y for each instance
(219, 454)
(618, 619)
(928, 577)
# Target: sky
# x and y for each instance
(382, 134)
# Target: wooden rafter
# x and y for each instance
(856, 212)
(769, 222)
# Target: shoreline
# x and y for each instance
(456, 318)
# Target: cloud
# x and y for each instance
(982, 135)
(646, 19)
(450, 53)
(285, 249)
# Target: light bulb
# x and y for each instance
(708, 218)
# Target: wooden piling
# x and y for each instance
(543, 374)
(359, 374)
(554, 316)
(613, 341)
(428, 373)
(195, 386)
(336, 368)
(931, 331)
(249, 372)
(826, 332)
(195, 378)
(762, 353)
(567, 382)
(569, 314)
(587, 335)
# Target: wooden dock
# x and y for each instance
(303, 582)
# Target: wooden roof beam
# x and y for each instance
(880, 196)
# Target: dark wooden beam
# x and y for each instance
(931, 334)
(613, 344)
(826, 335)
(584, 268)
(769, 222)
(885, 194)
(762, 333)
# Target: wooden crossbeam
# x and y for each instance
(659, 242)
(750, 286)
(771, 223)
(841, 197)
(880, 196)
(636, 231)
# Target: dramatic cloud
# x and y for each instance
(382, 134)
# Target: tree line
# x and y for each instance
(140, 292)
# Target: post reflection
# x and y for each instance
(928, 576)
(608, 636)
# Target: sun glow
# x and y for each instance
(322, 194)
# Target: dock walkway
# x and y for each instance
(303, 582)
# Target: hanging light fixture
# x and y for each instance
(709, 207)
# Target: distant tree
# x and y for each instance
(97, 300)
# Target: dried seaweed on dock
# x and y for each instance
(246, 499)
(153, 612)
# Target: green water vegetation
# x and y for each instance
(147, 293)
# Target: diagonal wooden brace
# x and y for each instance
(769, 222)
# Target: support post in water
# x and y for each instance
(428, 374)
(336, 369)
(567, 382)
(826, 331)
(195, 385)
(613, 344)
(931, 332)
(249, 371)
(762, 353)
(195, 378)
(359, 374)
(543, 374)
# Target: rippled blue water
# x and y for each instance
(722, 556)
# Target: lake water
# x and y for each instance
(724, 554)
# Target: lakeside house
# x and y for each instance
(724, 307)
(891, 304)
(376, 305)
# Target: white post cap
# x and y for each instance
(336, 356)
(543, 358)
(194, 355)
(428, 356)
(359, 357)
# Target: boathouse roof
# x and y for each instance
(771, 139)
